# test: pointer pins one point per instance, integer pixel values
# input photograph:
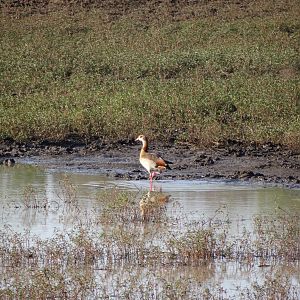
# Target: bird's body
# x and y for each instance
(151, 162)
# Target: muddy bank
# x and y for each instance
(267, 164)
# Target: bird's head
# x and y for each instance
(141, 138)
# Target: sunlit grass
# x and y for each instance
(197, 80)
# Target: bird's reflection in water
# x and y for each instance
(152, 203)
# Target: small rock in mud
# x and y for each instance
(182, 167)
(260, 175)
(200, 157)
(204, 160)
(216, 176)
(240, 153)
(209, 161)
(246, 175)
(10, 162)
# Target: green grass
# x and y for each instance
(198, 80)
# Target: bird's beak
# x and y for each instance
(137, 139)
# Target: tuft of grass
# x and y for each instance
(116, 206)
(278, 236)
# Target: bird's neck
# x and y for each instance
(145, 146)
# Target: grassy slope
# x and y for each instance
(199, 79)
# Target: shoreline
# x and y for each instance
(268, 164)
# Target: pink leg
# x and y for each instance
(154, 174)
(151, 182)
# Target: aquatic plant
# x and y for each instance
(32, 198)
(117, 253)
(67, 191)
(277, 236)
(117, 206)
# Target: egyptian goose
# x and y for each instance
(151, 162)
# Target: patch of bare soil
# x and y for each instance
(266, 164)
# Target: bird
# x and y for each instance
(10, 162)
(152, 163)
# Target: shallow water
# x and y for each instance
(196, 199)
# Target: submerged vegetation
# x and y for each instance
(113, 251)
(191, 72)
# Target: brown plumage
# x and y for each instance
(151, 162)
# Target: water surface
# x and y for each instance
(197, 198)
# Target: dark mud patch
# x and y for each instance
(232, 160)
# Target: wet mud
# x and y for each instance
(267, 164)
